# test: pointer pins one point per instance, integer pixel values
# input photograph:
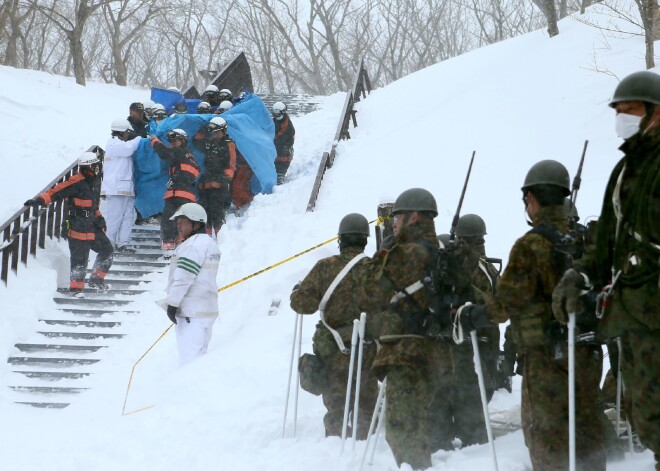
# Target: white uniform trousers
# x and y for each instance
(119, 213)
(193, 337)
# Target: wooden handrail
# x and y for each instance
(362, 86)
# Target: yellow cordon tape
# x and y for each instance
(130, 379)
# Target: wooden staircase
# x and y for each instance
(54, 366)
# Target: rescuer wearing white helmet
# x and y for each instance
(192, 293)
(285, 135)
(117, 185)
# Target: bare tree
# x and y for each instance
(126, 20)
(71, 20)
(549, 10)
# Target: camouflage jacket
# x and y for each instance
(389, 272)
(627, 239)
(342, 307)
(524, 291)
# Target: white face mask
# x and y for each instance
(627, 125)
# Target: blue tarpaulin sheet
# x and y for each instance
(249, 124)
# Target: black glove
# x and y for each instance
(474, 316)
(32, 202)
(100, 223)
(171, 312)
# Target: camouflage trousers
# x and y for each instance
(545, 409)
(456, 410)
(334, 395)
(641, 377)
(409, 394)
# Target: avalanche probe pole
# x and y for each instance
(380, 403)
(288, 384)
(349, 383)
(482, 392)
(620, 387)
(571, 391)
(358, 378)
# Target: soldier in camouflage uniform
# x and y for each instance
(627, 253)
(524, 295)
(340, 311)
(412, 362)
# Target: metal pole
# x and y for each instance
(381, 421)
(358, 379)
(295, 401)
(349, 383)
(380, 401)
(288, 383)
(482, 392)
(571, 391)
(619, 345)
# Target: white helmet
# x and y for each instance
(192, 211)
(217, 124)
(159, 112)
(204, 107)
(88, 159)
(148, 103)
(226, 94)
(279, 109)
(177, 134)
(225, 105)
(120, 125)
(174, 89)
(211, 89)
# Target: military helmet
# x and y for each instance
(470, 225)
(638, 86)
(353, 223)
(548, 172)
(415, 199)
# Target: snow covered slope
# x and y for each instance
(515, 103)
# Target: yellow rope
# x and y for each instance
(130, 380)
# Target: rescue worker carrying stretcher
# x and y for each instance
(183, 171)
(85, 223)
(220, 165)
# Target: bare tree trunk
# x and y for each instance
(647, 10)
(549, 10)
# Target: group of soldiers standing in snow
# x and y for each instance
(432, 391)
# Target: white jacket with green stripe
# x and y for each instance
(192, 285)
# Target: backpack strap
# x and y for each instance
(328, 293)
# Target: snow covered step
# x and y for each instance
(92, 293)
(145, 254)
(81, 323)
(48, 389)
(94, 312)
(81, 335)
(127, 272)
(46, 405)
(60, 348)
(145, 264)
(51, 362)
(53, 375)
(89, 301)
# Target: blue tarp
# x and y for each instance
(249, 124)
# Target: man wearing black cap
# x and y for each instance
(138, 121)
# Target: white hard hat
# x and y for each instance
(225, 105)
(217, 124)
(148, 104)
(192, 211)
(120, 125)
(158, 106)
(212, 88)
(88, 158)
(174, 89)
